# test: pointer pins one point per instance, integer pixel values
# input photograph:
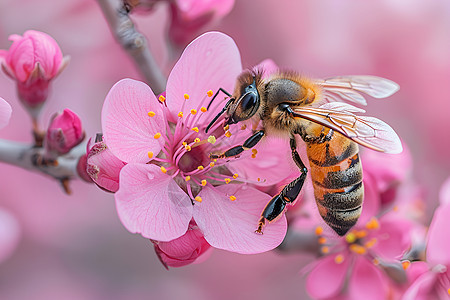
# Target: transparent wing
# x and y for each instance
(349, 88)
(366, 131)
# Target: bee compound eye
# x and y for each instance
(249, 101)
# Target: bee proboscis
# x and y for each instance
(291, 104)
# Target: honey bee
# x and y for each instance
(290, 104)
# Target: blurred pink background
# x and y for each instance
(74, 247)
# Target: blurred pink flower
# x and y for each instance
(189, 16)
(5, 113)
(435, 282)
(33, 60)
(9, 234)
(169, 178)
(183, 250)
(102, 166)
(64, 132)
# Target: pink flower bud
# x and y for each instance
(183, 250)
(64, 133)
(102, 166)
(33, 60)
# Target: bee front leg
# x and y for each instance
(248, 144)
(290, 192)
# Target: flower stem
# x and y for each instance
(133, 42)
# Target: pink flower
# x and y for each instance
(183, 250)
(33, 61)
(64, 132)
(5, 113)
(435, 283)
(102, 166)
(169, 179)
(189, 16)
(9, 234)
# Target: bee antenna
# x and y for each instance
(219, 114)
(217, 93)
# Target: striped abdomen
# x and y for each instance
(337, 179)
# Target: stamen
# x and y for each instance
(232, 198)
(376, 262)
(203, 109)
(209, 93)
(197, 140)
(188, 148)
(321, 240)
(254, 151)
(373, 224)
(187, 178)
(358, 249)
(200, 167)
(198, 199)
(164, 170)
(186, 96)
(161, 98)
(184, 144)
(226, 127)
(350, 237)
(227, 134)
(150, 154)
(370, 243)
(406, 264)
(180, 114)
(325, 250)
(157, 136)
(151, 114)
(360, 233)
(339, 259)
(195, 129)
(235, 175)
(211, 139)
(227, 180)
(193, 111)
(204, 182)
(211, 164)
(243, 127)
(318, 230)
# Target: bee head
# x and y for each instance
(244, 107)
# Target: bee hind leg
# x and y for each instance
(248, 144)
(290, 192)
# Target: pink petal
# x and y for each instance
(9, 234)
(192, 9)
(327, 278)
(438, 244)
(210, 62)
(5, 113)
(268, 66)
(393, 236)
(149, 202)
(367, 281)
(422, 288)
(444, 193)
(230, 225)
(127, 129)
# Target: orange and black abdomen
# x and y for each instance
(336, 174)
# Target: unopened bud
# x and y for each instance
(64, 133)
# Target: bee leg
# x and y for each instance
(290, 192)
(248, 144)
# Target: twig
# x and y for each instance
(31, 158)
(133, 42)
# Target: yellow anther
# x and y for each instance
(253, 155)
(184, 143)
(180, 114)
(226, 127)
(164, 170)
(187, 178)
(448, 291)
(151, 114)
(376, 262)
(339, 259)
(186, 96)
(235, 175)
(188, 148)
(193, 111)
(197, 140)
(157, 136)
(227, 134)
(211, 164)
(200, 167)
(395, 208)
(318, 230)
(198, 199)
(203, 109)
(195, 129)
(209, 93)
(232, 198)
(211, 139)
(360, 233)
(370, 243)
(350, 237)
(373, 224)
(243, 127)
(150, 154)
(406, 264)
(227, 180)
(358, 249)
(321, 240)
(325, 250)
(254, 151)
(162, 98)
(204, 182)
(259, 179)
